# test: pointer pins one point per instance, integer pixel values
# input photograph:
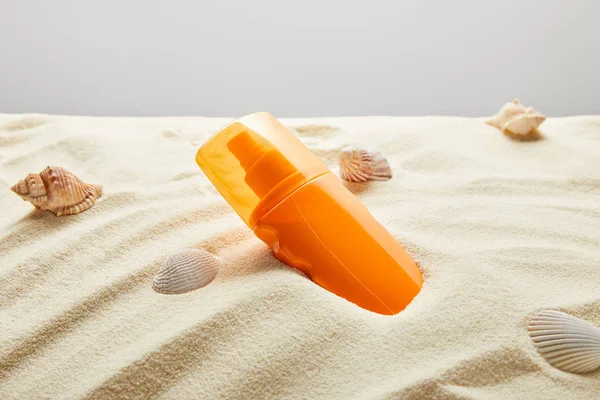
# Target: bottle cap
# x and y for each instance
(255, 162)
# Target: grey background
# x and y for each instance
(299, 58)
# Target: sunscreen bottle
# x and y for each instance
(301, 210)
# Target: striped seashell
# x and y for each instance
(361, 165)
(57, 190)
(515, 118)
(566, 342)
(189, 269)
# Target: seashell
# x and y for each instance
(566, 342)
(57, 190)
(190, 269)
(361, 165)
(515, 118)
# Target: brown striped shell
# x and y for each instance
(57, 190)
(361, 165)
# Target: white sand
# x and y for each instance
(500, 228)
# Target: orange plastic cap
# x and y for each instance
(255, 162)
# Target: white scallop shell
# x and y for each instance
(189, 269)
(566, 342)
(361, 165)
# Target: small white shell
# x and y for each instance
(566, 342)
(187, 270)
(361, 165)
(517, 119)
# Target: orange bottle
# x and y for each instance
(302, 211)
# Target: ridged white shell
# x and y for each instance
(515, 118)
(57, 190)
(361, 165)
(189, 269)
(566, 342)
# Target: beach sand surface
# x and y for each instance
(500, 228)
